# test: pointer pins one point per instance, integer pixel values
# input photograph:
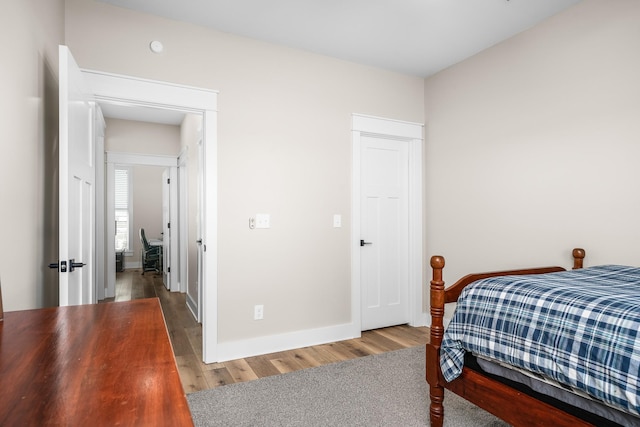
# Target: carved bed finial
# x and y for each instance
(578, 257)
(437, 261)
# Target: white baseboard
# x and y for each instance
(192, 307)
(132, 265)
(421, 319)
(288, 341)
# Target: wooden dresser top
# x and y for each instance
(100, 364)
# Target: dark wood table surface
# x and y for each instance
(91, 365)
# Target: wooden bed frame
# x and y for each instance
(503, 401)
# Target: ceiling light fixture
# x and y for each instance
(156, 46)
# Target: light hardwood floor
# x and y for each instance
(186, 338)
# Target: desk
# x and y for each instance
(101, 364)
(155, 242)
(120, 261)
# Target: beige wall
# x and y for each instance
(31, 32)
(284, 149)
(147, 207)
(533, 146)
(128, 136)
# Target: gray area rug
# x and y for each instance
(388, 389)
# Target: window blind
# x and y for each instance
(122, 208)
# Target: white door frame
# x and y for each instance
(112, 159)
(142, 92)
(183, 222)
(412, 133)
(100, 206)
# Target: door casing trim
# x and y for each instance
(364, 125)
(116, 88)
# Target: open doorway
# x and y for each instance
(150, 95)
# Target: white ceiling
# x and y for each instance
(417, 37)
(142, 114)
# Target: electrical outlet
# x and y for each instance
(258, 312)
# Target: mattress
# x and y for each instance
(603, 415)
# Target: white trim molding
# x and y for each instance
(281, 342)
(134, 90)
(363, 125)
(136, 159)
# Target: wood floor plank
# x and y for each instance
(295, 360)
(305, 358)
(123, 290)
(180, 342)
(420, 333)
(382, 341)
(400, 336)
(370, 346)
(287, 364)
(322, 355)
(218, 377)
(340, 350)
(262, 366)
(193, 379)
(194, 335)
(240, 370)
(211, 366)
(357, 348)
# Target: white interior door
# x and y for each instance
(384, 232)
(166, 228)
(200, 229)
(183, 216)
(77, 185)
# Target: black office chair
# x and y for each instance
(151, 255)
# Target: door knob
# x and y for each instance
(362, 243)
(73, 265)
(62, 266)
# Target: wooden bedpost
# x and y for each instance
(578, 256)
(436, 390)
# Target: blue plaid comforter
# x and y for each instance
(579, 328)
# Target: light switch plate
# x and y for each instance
(337, 221)
(258, 312)
(263, 221)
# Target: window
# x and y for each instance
(123, 208)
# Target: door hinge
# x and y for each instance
(168, 180)
(168, 269)
(168, 225)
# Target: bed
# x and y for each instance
(540, 346)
